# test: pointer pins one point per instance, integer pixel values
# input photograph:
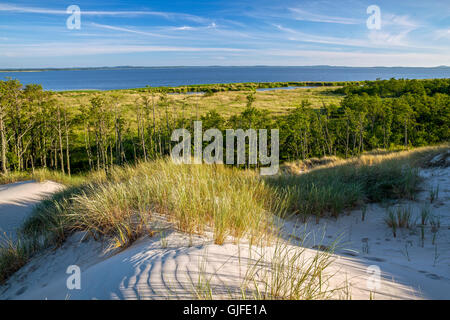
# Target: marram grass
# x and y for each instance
(338, 185)
(224, 201)
(41, 175)
(197, 198)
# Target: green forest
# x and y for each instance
(37, 130)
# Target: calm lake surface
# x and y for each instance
(125, 78)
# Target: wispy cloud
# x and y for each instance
(364, 59)
(243, 33)
(387, 39)
(300, 14)
(93, 48)
(295, 35)
(212, 25)
(118, 13)
(184, 28)
(389, 19)
(21, 9)
(375, 39)
(121, 29)
(442, 34)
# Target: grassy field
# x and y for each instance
(229, 103)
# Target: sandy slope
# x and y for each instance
(169, 267)
(424, 267)
(148, 270)
(17, 201)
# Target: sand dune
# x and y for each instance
(171, 266)
(422, 266)
(148, 270)
(17, 201)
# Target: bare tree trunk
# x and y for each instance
(117, 142)
(66, 127)
(361, 134)
(61, 151)
(44, 145)
(32, 163)
(97, 150)
(154, 124)
(347, 141)
(87, 142)
(3, 141)
(111, 158)
(406, 132)
(55, 149)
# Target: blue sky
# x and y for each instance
(174, 33)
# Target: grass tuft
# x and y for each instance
(197, 199)
(400, 217)
(41, 175)
(342, 185)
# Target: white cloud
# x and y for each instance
(389, 19)
(362, 59)
(121, 29)
(184, 28)
(94, 48)
(212, 25)
(230, 56)
(376, 39)
(397, 39)
(381, 38)
(21, 9)
(442, 34)
(132, 13)
(303, 15)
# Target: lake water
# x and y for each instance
(123, 78)
(283, 88)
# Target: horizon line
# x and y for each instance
(209, 66)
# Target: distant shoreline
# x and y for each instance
(175, 67)
(128, 77)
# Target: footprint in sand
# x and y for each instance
(5, 289)
(22, 278)
(376, 259)
(321, 248)
(21, 290)
(433, 276)
(33, 268)
(350, 252)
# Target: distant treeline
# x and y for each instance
(36, 130)
(222, 87)
(395, 88)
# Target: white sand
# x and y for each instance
(147, 270)
(169, 267)
(425, 268)
(17, 201)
